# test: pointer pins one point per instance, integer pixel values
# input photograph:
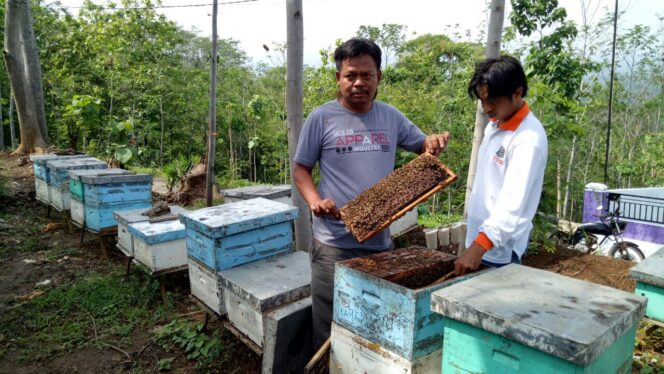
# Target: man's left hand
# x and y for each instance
(470, 260)
(435, 143)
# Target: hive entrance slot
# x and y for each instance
(413, 267)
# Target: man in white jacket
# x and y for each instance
(510, 168)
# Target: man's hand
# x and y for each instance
(470, 260)
(435, 143)
(325, 207)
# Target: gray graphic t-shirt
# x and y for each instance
(355, 151)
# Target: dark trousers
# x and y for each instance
(323, 258)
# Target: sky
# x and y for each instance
(263, 22)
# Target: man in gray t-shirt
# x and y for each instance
(354, 140)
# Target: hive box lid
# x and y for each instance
(270, 282)
(564, 317)
(76, 163)
(650, 270)
(266, 191)
(127, 217)
(158, 232)
(104, 178)
(228, 219)
(41, 159)
(77, 175)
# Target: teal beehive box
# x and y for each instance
(649, 277)
(228, 235)
(77, 190)
(385, 298)
(517, 319)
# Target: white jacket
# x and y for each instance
(507, 187)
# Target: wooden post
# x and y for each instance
(295, 66)
(493, 40)
(212, 135)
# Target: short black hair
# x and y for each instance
(357, 47)
(502, 75)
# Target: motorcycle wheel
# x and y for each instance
(629, 252)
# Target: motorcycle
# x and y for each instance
(592, 237)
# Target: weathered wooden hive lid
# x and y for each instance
(41, 159)
(269, 192)
(77, 175)
(158, 232)
(228, 219)
(75, 163)
(650, 270)
(266, 191)
(126, 217)
(128, 177)
(564, 317)
(270, 282)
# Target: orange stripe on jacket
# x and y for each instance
(483, 241)
(514, 121)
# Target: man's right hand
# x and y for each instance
(325, 207)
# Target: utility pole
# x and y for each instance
(613, 69)
(212, 134)
(295, 67)
(493, 40)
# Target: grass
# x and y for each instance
(155, 172)
(92, 309)
(435, 220)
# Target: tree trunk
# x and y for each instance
(12, 133)
(559, 212)
(569, 177)
(161, 137)
(22, 61)
(295, 66)
(494, 35)
(2, 126)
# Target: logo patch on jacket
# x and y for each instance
(499, 157)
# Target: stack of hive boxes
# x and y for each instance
(42, 176)
(649, 277)
(105, 193)
(241, 263)
(58, 184)
(382, 322)
(77, 191)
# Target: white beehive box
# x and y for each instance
(126, 217)
(58, 185)
(280, 193)
(160, 246)
(205, 286)
(351, 353)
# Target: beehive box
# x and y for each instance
(395, 195)
(351, 353)
(518, 319)
(107, 194)
(159, 243)
(58, 185)
(229, 235)
(41, 174)
(205, 286)
(280, 193)
(385, 298)
(126, 217)
(77, 188)
(649, 277)
(268, 302)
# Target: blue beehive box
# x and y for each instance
(517, 319)
(77, 191)
(127, 217)
(105, 194)
(392, 308)
(41, 173)
(58, 185)
(228, 235)
(649, 277)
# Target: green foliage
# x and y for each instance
(190, 337)
(176, 170)
(435, 220)
(91, 309)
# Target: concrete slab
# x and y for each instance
(650, 270)
(564, 317)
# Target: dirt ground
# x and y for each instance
(35, 248)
